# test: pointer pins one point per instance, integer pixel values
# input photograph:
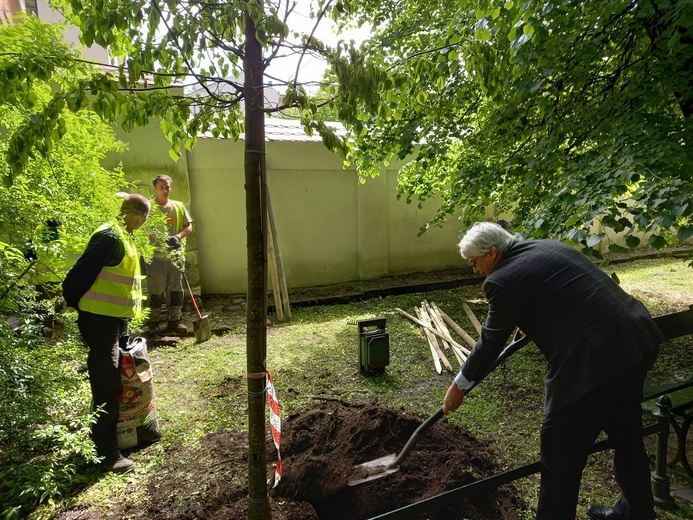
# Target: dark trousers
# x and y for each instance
(102, 335)
(568, 434)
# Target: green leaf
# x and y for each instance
(483, 35)
(685, 233)
(615, 248)
(615, 278)
(657, 241)
(595, 239)
(632, 241)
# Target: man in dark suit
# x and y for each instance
(599, 343)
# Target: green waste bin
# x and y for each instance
(374, 346)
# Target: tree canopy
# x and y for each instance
(564, 113)
(62, 182)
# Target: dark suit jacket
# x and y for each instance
(588, 328)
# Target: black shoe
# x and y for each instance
(603, 513)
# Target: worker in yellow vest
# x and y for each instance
(164, 273)
(104, 286)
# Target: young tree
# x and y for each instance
(565, 113)
(164, 45)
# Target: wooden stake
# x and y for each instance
(434, 331)
(272, 261)
(278, 256)
(434, 311)
(466, 337)
(437, 354)
(471, 317)
(461, 357)
(436, 323)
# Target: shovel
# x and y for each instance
(389, 464)
(201, 325)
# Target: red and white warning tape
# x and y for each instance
(275, 425)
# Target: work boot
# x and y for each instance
(177, 326)
(118, 464)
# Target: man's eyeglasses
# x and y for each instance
(472, 263)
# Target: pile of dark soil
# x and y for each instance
(321, 446)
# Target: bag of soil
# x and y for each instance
(137, 419)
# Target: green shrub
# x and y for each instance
(44, 409)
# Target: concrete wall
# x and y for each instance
(330, 227)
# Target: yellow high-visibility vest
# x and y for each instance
(175, 220)
(117, 290)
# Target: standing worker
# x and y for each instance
(165, 270)
(599, 343)
(104, 285)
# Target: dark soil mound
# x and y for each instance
(321, 446)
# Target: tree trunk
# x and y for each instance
(256, 339)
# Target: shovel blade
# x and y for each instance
(203, 332)
(374, 469)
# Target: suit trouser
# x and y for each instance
(102, 336)
(568, 434)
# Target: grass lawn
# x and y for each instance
(201, 390)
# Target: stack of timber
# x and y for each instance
(436, 326)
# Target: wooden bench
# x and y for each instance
(669, 400)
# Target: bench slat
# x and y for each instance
(677, 380)
(676, 324)
(680, 400)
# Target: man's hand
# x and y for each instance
(453, 398)
(60, 305)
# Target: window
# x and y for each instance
(31, 7)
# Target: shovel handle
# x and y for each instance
(192, 298)
(415, 436)
(517, 344)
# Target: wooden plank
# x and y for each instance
(437, 323)
(423, 315)
(272, 262)
(466, 337)
(677, 324)
(431, 341)
(434, 331)
(472, 317)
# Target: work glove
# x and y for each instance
(60, 305)
(173, 243)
